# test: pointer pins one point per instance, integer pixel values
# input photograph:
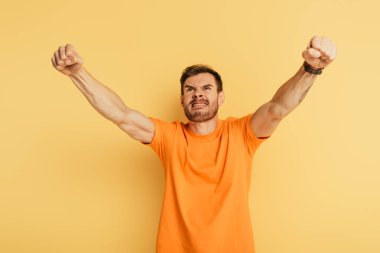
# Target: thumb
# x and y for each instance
(73, 58)
(311, 53)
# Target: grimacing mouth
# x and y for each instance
(198, 102)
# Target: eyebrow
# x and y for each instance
(207, 85)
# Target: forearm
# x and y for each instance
(103, 99)
(291, 93)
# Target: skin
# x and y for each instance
(203, 119)
(201, 88)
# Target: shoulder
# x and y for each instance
(241, 121)
(165, 125)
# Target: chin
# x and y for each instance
(200, 116)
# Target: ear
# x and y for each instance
(220, 98)
(181, 100)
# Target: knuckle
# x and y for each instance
(316, 38)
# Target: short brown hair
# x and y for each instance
(198, 69)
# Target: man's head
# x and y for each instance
(201, 92)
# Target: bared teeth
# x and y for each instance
(197, 104)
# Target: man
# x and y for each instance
(207, 161)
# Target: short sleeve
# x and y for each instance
(251, 140)
(157, 143)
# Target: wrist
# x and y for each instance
(77, 73)
(310, 69)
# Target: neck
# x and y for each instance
(204, 127)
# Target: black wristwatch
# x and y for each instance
(311, 70)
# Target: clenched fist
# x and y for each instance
(66, 60)
(320, 52)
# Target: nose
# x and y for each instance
(197, 93)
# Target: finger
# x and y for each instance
(62, 54)
(55, 64)
(325, 48)
(72, 54)
(70, 48)
(311, 53)
(70, 51)
(315, 42)
(58, 60)
(328, 50)
(73, 59)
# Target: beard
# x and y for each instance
(203, 114)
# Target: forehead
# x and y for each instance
(201, 79)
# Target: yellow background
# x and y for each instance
(71, 181)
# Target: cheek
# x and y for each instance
(185, 101)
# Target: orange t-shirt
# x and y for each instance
(207, 180)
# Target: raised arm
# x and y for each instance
(67, 61)
(319, 53)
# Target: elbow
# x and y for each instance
(278, 111)
(120, 118)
